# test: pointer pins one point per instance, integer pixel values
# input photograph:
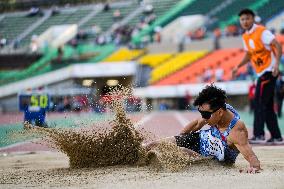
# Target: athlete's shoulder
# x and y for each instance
(240, 126)
(238, 132)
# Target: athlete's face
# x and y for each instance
(212, 116)
(246, 21)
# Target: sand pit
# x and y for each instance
(50, 170)
(111, 159)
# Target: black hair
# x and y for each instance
(246, 11)
(212, 95)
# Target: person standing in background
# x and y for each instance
(279, 89)
(264, 52)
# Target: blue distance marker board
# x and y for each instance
(33, 102)
(34, 107)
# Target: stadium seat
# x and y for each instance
(154, 60)
(105, 20)
(12, 26)
(193, 73)
(64, 17)
(174, 64)
(124, 54)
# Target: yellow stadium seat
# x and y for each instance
(124, 54)
(174, 64)
(154, 60)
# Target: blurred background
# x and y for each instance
(66, 55)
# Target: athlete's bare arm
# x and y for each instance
(194, 126)
(244, 61)
(278, 48)
(239, 137)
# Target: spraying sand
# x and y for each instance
(113, 159)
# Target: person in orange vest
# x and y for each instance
(264, 53)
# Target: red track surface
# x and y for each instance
(161, 124)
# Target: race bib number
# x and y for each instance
(212, 146)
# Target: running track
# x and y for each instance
(161, 124)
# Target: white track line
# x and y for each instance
(15, 145)
(181, 119)
(142, 121)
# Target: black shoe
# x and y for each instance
(257, 140)
(275, 140)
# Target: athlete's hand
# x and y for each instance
(234, 72)
(251, 170)
(275, 70)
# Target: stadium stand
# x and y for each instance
(276, 23)
(77, 16)
(174, 64)
(225, 58)
(274, 7)
(34, 69)
(154, 60)
(162, 20)
(231, 10)
(105, 19)
(163, 65)
(160, 7)
(124, 54)
(63, 17)
(49, 62)
(17, 61)
(12, 25)
(201, 7)
(263, 8)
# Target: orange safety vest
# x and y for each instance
(260, 56)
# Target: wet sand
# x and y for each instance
(51, 170)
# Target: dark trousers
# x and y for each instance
(279, 100)
(251, 105)
(264, 112)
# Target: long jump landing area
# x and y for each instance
(27, 164)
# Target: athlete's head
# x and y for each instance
(211, 103)
(246, 18)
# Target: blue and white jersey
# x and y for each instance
(214, 143)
